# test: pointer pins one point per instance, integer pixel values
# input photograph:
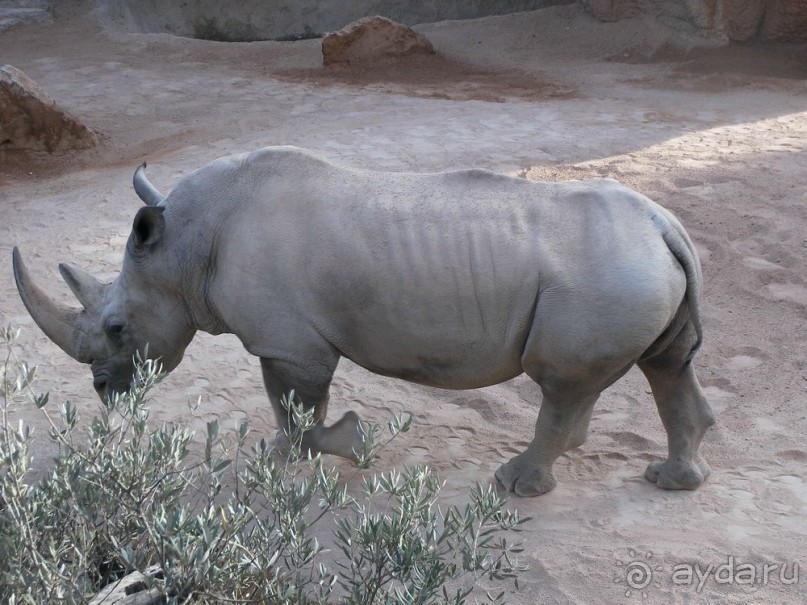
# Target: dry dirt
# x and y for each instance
(719, 136)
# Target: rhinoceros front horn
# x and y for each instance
(61, 324)
(144, 189)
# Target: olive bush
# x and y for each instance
(232, 524)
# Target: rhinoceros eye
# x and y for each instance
(114, 330)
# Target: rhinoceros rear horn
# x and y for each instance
(144, 189)
(89, 291)
(61, 324)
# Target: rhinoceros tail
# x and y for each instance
(683, 250)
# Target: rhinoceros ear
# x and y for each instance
(148, 227)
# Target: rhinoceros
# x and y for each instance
(456, 280)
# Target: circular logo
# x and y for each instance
(638, 575)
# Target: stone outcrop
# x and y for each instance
(735, 20)
(371, 39)
(30, 119)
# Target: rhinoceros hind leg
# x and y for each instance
(685, 413)
(562, 425)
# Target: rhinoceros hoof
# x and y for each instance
(677, 475)
(523, 478)
(344, 438)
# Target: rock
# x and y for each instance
(30, 119)
(367, 40)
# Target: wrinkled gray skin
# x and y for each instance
(455, 280)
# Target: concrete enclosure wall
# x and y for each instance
(736, 20)
(244, 20)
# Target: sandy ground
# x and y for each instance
(719, 136)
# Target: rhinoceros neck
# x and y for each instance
(197, 275)
(217, 205)
(192, 260)
(205, 316)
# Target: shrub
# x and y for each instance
(233, 524)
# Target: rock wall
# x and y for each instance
(288, 19)
(17, 12)
(735, 20)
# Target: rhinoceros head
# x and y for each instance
(141, 311)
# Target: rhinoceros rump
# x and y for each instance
(456, 280)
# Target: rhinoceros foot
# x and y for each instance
(674, 474)
(521, 476)
(343, 439)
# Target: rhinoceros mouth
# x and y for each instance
(110, 376)
(100, 387)
(106, 387)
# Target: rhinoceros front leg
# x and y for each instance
(562, 425)
(311, 386)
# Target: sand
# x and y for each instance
(717, 135)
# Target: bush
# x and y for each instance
(234, 526)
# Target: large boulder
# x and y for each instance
(30, 119)
(371, 39)
(735, 20)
